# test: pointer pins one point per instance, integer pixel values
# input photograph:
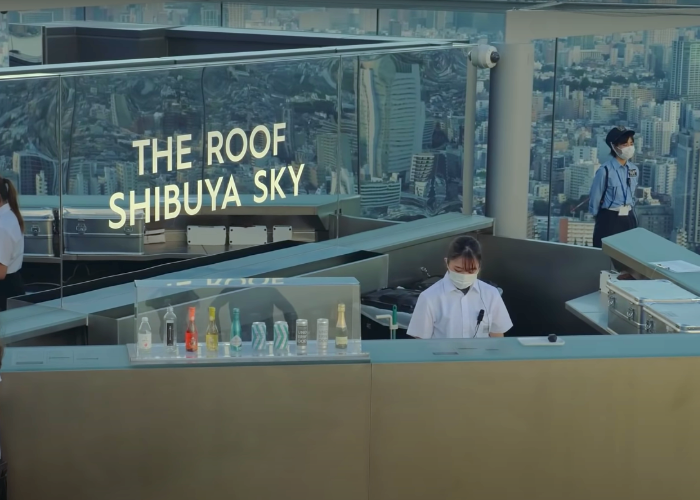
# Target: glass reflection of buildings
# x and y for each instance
(647, 81)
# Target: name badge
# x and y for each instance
(633, 173)
(625, 210)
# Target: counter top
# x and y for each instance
(391, 351)
(639, 248)
(593, 310)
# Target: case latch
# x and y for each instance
(630, 314)
(649, 326)
(35, 230)
(128, 229)
(81, 228)
(611, 300)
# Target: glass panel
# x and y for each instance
(605, 81)
(541, 149)
(411, 129)
(272, 145)
(30, 158)
(478, 27)
(114, 125)
(243, 318)
(318, 19)
(164, 13)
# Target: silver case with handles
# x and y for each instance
(673, 318)
(39, 227)
(628, 301)
(87, 231)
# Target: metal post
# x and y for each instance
(510, 122)
(469, 132)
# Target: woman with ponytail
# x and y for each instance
(11, 243)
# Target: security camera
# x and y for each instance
(484, 56)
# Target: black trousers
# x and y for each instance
(11, 286)
(609, 222)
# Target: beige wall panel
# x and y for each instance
(559, 429)
(262, 433)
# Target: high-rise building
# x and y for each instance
(578, 179)
(685, 71)
(657, 135)
(686, 188)
(391, 115)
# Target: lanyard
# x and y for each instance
(624, 191)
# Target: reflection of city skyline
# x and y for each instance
(647, 81)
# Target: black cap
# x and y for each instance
(616, 134)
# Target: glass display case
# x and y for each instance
(247, 320)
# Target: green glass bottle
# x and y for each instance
(236, 340)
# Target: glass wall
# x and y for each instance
(644, 81)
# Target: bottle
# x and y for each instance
(236, 340)
(302, 335)
(170, 334)
(212, 335)
(322, 334)
(145, 337)
(191, 341)
(341, 329)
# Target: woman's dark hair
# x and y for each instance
(464, 247)
(621, 141)
(8, 193)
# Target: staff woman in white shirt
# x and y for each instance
(460, 305)
(11, 243)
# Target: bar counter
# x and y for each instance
(603, 417)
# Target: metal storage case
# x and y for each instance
(39, 229)
(87, 231)
(628, 302)
(673, 318)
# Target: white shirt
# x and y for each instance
(444, 311)
(11, 240)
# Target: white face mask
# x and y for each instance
(626, 152)
(462, 281)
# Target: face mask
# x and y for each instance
(462, 281)
(626, 153)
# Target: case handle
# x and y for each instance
(35, 230)
(80, 227)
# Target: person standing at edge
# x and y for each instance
(613, 189)
(11, 243)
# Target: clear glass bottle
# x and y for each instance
(341, 329)
(236, 338)
(191, 336)
(170, 333)
(145, 336)
(212, 335)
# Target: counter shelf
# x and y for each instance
(261, 301)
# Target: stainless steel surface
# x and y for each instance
(628, 302)
(24, 323)
(535, 288)
(638, 249)
(593, 310)
(672, 318)
(508, 165)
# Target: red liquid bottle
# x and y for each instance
(191, 333)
